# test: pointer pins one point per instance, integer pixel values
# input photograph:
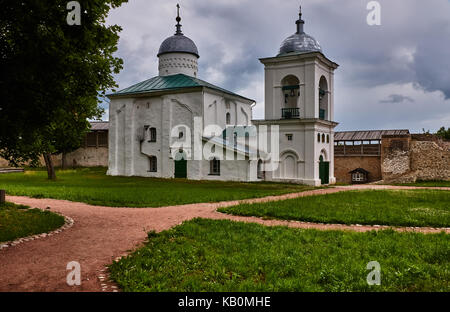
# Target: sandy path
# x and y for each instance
(101, 234)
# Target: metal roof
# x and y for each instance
(299, 43)
(99, 125)
(171, 83)
(366, 135)
(178, 44)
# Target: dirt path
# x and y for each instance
(101, 234)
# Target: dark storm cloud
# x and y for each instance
(397, 98)
(410, 48)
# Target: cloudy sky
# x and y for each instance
(392, 76)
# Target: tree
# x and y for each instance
(444, 134)
(52, 75)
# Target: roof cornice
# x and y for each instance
(290, 57)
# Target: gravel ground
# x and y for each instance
(100, 235)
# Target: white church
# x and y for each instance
(161, 127)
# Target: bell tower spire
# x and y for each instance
(300, 22)
(178, 19)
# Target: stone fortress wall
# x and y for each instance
(408, 158)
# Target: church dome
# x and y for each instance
(178, 43)
(300, 41)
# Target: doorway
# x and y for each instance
(324, 171)
(180, 165)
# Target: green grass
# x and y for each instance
(93, 186)
(396, 208)
(221, 255)
(17, 221)
(427, 184)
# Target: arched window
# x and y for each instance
(323, 98)
(328, 138)
(214, 166)
(153, 164)
(228, 121)
(152, 135)
(318, 137)
(290, 86)
(323, 138)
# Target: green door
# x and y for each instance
(324, 171)
(181, 166)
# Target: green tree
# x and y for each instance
(444, 134)
(52, 75)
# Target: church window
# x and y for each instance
(323, 138)
(328, 138)
(323, 98)
(228, 117)
(153, 164)
(152, 135)
(214, 166)
(318, 137)
(289, 137)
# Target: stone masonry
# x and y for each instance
(408, 158)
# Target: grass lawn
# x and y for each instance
(402, 208)
(93, 186)
(428, 183)
(17, 221)
(221, 255)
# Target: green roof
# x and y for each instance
(170, 83)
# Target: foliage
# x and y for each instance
(381, 207)
(18, 221)
(444, 134)
(52, 74)
(92, 186)
(220, 255)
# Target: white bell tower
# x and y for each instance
(299, 84)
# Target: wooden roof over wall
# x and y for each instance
(99, 125)
(366, 135)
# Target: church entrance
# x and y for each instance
(324, 171)
(180, 165)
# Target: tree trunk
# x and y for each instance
(63, 161)
(50, 168)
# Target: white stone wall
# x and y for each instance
(308, 70)
(128, 117)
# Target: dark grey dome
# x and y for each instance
(300, 42)
(178, 43)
